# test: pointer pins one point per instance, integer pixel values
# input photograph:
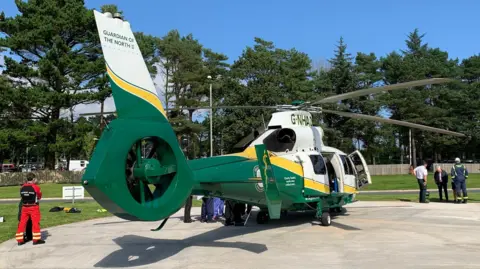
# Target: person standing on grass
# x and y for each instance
(30, 194)
(420, 172)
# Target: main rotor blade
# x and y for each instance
(97, 113)
(391, 121)
(187, 108)
(335, 98)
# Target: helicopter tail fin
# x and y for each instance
(137, 170)
(272, 194)
(133, 90)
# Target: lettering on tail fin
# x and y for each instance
(133, 89)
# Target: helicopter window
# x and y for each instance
(347, 166)
(318, 164)
(280, 140)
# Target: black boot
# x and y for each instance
(38, 242)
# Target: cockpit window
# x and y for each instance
(280, 140)
(318, 164)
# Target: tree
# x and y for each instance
(187, 64)
(340, 78)
(263, 75)
(57, 44)
(428, 105)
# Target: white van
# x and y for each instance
(77, 165)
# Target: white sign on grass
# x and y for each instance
(73, 192)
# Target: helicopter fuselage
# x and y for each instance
(305, 169)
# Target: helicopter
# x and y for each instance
(138, 171)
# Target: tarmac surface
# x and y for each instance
(367, 235)
(382, 192)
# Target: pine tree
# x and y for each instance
(57, 43)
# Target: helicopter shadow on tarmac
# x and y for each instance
(151, 250)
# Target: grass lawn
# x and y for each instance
(9, 212)
(409, 182)
(390, 182)
(49, 190)
(472, 197)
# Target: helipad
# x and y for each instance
(368, 235)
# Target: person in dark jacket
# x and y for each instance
(459, 176)
(441, 179)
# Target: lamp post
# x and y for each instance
(211, 118)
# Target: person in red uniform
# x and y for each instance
(30, 193)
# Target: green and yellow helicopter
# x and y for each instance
(286, 167)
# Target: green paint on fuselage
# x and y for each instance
(230, 177)
(234, 177)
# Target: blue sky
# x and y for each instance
(313, 27)
(310, 26)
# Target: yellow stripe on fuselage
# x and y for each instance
(294, 168)
(275, 160)
(314, 185)
(141, 93)
(349, 189)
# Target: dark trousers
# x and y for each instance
(442, 185)
(239, 210)
(461, 186)
(249, 208)
(423, 190)
(229, 212)
(187, 210)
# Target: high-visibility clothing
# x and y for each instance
(30, 194)
(459, 172)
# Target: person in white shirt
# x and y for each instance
(420, 172)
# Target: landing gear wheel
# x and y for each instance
(262, 217)
(326, 220)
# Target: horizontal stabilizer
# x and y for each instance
(272, 194)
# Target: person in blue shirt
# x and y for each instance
(459, 177)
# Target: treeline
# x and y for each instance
(54, 62)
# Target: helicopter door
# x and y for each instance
(350, 178)
(363, 175)
(314, 173)
(339, 174)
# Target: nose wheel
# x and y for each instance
(323, 214)
(326, 220)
